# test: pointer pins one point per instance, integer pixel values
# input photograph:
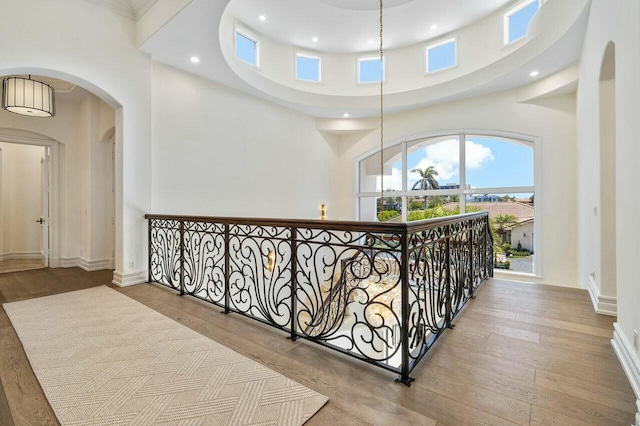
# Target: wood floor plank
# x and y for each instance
(569, 336)
(542, 416)
(543, 351)
(564, 325)
(6, 419)
(570, 386)
(474, 395)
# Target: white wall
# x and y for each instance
(523, 235)
(88, 45)
(20, 202)
(552, 120)
(95, 181)
(606, 269)
(617, 21)
(219, 152)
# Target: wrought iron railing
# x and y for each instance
(379, 292)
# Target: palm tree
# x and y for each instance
(504, 221)
(427, 181)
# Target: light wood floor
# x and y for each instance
(16, 265)
(520, 354)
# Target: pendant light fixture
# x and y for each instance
(28, 97)
(381, 216)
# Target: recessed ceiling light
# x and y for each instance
(262, 18)
(434, 26)
(315, 39)
(195, 59)
(370, 41)
(345, 115)
(534, 73)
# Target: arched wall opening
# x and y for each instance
(607, 278)
(83, 195)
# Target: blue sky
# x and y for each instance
(246, 49)
(490, 162)
(443, 56)
(307, 68)
(519, 21)
(370, 71)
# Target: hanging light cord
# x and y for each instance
(381, 117)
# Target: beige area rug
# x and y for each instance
(104, 359)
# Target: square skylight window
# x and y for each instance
(246, 48)
(516, 21)
(308, 67)
(371, 70)
(442, 55)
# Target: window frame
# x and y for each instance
(508, 14)
(303, 54)
(243, 32)
(512, 137)
(441, 42)
(361, 59)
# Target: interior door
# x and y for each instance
(44, 218)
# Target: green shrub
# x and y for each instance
(387, 215)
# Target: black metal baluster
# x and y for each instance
(472, 278)
(404, 294)
(294, 285)
(149, 221)
(181, 231)
(227, 273)
(447, 277)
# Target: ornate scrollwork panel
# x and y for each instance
(348, 292)
(260, 273)
(164, 252)
(204, 266)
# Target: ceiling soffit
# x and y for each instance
(131, 9)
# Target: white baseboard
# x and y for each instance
(87, 265)
(605, 305)
(21, 255)
(131, 278)
(630, 362)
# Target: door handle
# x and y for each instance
(40, 221)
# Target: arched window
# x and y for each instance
(447, 174)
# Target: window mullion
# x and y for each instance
(463, 171)
(405, 174)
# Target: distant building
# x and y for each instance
(520, 233)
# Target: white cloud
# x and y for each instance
(445, 157)
(478, 155)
